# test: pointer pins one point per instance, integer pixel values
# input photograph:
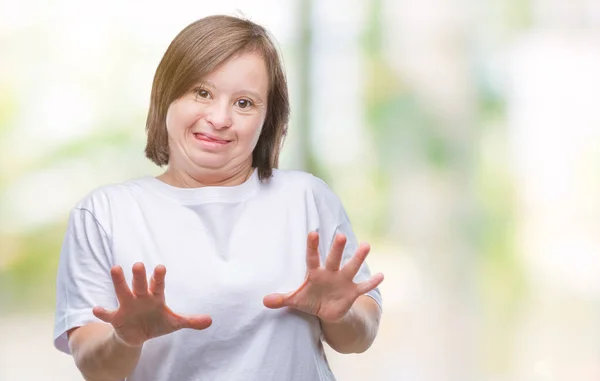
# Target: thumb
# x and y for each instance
(103, 314)
(198, 322)
(275, 300)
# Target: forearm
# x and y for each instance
(100, 355)
(357, 330)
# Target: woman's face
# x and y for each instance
(216, 125)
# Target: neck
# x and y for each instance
(183, 179)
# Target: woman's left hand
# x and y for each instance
(329, 291)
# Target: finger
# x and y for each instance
(195, 321)
(370, 284)
(351, 267)
(120, 284)
(312, 251)
(157, 282)
(335, 254)
(103, 314)
(140, 283)
(275, 301)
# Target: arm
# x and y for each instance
(100, 355)
(356, 331)
(110, 352)
(105, 352)
(349, 318)
(335, 285)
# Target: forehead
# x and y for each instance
(245, 71)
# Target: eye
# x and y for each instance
(202, 93)
(244, 103)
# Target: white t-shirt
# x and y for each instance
(224, 248)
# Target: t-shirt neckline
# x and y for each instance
(205, 194)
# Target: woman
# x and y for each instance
(236, 235)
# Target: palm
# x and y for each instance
(144, 320)
(142, 313)
(328, 292)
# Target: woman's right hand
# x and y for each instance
(142, 313)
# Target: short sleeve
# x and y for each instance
(333, 220)
(83, 278)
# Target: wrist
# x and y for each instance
(355, 332)
(121, 342)
(347, 317)
(340, 321)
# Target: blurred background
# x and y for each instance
(462, 136)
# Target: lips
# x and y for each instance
(210, 138)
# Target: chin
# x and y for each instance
(208, 164)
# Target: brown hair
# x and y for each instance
(197, 51)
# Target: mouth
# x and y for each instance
(210, 138)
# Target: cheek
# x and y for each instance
(181, 116)
(257, 134)
(252, 134)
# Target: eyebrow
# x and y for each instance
(250, 92)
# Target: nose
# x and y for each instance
(219, 115)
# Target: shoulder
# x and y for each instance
(311, 187)
(297, 179)
(103, 200)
